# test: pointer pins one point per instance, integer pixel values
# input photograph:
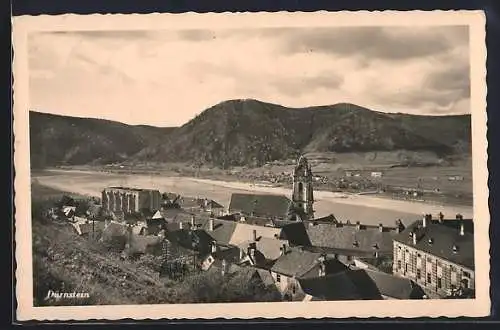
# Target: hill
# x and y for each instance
(250, 132)
(62, 140)
(247, 133)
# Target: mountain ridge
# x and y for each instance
(250, 132)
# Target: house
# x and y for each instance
(208, 206)
(244, 232)
(129, 200)
(359, 284)
(156, 223)
(295, 264)
(264, 205)
(141, 244)
(69, 212)
(437, 254)
(387, 286)
(220, 256)
(269, 247)
(333, 287)
(344, 241)
(221, 231)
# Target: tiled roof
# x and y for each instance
(340, 238)
(260, 205)
(296, 262)
(349, 237)
(258, 221)
(269, 247)
(360, 284)
(196, 240)
(244, 232)
(222, 231)
(296, 234)
(265, 276)
(439, 240)
(331, 287)
(392, 286)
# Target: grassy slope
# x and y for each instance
(66, 262)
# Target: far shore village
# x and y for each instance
(280, 242)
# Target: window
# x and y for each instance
(439, 284)
(278, 278)
(399, 264)
(429, 278)
(466, 274)
(293, 289)
(406, 268)
(418, 274)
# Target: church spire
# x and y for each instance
(302, 195)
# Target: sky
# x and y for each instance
(165, 78)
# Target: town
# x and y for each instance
(279, 244)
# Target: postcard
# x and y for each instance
(251, 165)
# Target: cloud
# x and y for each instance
(304, 85)
(166, 77)
(389, 43)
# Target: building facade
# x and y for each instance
(302, 195)
(437, 257)
(130, 200)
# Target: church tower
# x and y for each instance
(302, 195)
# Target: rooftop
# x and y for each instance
(341, 236)
(222, 230)
(269, 247)
(260, 205)
(296, 262)
(244, 232)
(360, 284)
(440, 240)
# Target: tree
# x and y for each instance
(213, 287)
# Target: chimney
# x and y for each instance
(322, 266)
(255, 235)
(380, 227)
(441, 217)
(399, 226)
(180, 225)
(424, 221)
(283, 249)
(224, 267)
(462, 229)
(210, 224)
(414, 237)
(358, 225)
(192, 221)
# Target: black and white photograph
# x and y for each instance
(294, 164)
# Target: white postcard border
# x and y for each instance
(23, 25)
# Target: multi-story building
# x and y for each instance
(438, 255)
(130, 200)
